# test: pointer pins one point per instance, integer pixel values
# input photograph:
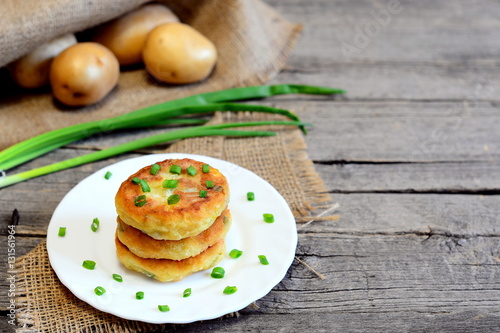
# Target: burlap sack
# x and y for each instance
(253, 42)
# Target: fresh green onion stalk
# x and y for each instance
(183, 133)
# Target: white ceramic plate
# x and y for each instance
(94, 197)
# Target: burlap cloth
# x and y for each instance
(45, 305)
(252, 40)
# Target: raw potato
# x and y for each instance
(32, 70)
(84, 74)
(177, 53)
(126, 36)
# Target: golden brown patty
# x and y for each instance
(166, 270)
(144, 246)
(190, 216)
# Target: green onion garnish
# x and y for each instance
(163, 308)
(235, 253)
(230, 290)
(250, 196)
(205, 168)
(173, 199)
(99, 291)
(203, 194)
(139, 295)
(95, 224)
(117, 277)
(218, 273)
(136, 181)
(263, 259)
(108, 175)
(89, 264)
(175, 169)
(186, 292)
(62, 232)
(140, 201)
(144, 186)
(209, 183)
(269, 218)
(191, 170)
(170, 183)
(154, 169)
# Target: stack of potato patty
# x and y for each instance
(172, 219)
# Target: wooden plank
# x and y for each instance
(470, 321)
(442, 177)
(397, 81)
(461, 216)
(398, 131)
(415, 31)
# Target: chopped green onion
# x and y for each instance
(89, 264)
(173, 199)
(175, 169)
(62, 232)
(108, 175)
(191, 170)
(263, 259)
(136, 181)
(154, 169)
(250, 196)
(209, 183)
(95, 224)
(269, 218)
(170, 183)
(139, 295)
(163, 308)
(205, 168)
(203, 194)
(218, 273)
(99, 291)
(186, 292)
(235, 253)
(117, 277)
(140, 201)
(230, 290)
(145, 186)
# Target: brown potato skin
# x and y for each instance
(177, 53)
(126, 35)
(32, 70)
(83, 74)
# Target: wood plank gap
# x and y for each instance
(427, 234)
(483, 192)
(382, 162)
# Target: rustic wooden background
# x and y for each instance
(411, 154)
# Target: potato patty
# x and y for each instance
(144, 246)
(150, 211)
(166, 270)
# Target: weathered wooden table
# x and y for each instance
(411, 155)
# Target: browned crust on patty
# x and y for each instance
(144, 246)
(190, 216)
(166, 270)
